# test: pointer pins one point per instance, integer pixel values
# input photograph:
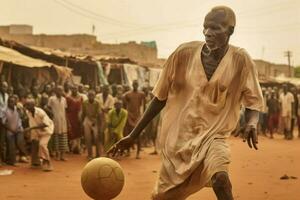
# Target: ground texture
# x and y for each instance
(255, 175)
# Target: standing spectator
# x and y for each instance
(91, 111)
(134, 102)
(14, 136)
(48, 90)
(47, 109)
(41, 129)
(82, 92)
(74, 103)
(120, 92)
(298, 113)
(287, 103)
(107, 103)
(3, 105)
(263, 115)
(67, 89)
(105, 99)
(273, 110)
(58, 106)
(117, 118)
(36, 96)
(295, 109)
(114, 90)
(10, 91)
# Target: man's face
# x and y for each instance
(34, 91)
(66, 86)
(285, 89)
(4, 87)
(135, 85)
(216, 30)
(48, 89)
(91, 96)
(30, 106)
(59, 92)
(74, 91)
(11, 102)
(80, 88)
(118, 106)
(105, 90)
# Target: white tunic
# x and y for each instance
(286, 101)
(200, 114)
(58, 107)
(40, 117)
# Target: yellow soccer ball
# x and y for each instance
(102, 179)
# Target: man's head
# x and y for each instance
(97, 89)
(4, 87)
(80, 88)
(66, 86)
(105, 89)
(120, 89)
(11, 102)
(30, 103)
(218, 26)
(59, 91)
(74, 90)
(114, 89)
(44, 100)
(10, 90)
(35, 90)
(135, 85)
(91, 96)
(118, 105)
(285, 88)
(48, 89)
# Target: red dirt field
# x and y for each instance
(255, 175)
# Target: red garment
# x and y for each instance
(73, 109)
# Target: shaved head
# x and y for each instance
(229, 14)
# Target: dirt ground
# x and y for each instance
(255, 175)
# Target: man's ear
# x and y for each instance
(230, 30)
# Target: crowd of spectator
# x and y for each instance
(42, 123)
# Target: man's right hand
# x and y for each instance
(120, 146)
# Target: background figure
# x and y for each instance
(117, 118)
(3, 105)
(74, 104)
(135, 103)
(91, 111)
(58, 106)
(273, 110)
(298, 114)
(36, 96)
(14, 135)
(287, 103)
(263, 115)
(41, 128)
(107, 103)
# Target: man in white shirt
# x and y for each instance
(3, 105)
(58, 105)
(41, 128)
(106, 100)
(287, 104)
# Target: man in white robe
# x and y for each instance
(201, 89)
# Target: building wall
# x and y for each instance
(137, 52)
(81, 44)
(20, 29)
(266, 69)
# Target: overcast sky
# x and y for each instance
(265, 28)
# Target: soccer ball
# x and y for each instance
(102, 179)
